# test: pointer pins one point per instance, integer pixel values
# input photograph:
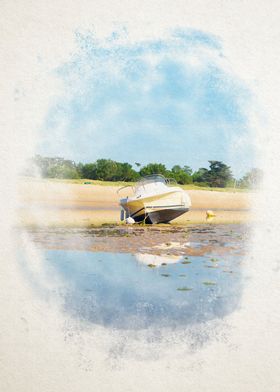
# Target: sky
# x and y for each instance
(174, 101)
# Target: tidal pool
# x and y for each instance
(117, 290)
(168, 284)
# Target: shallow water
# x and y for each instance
(193, 278)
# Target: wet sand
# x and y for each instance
(161, 240)
(58, 204)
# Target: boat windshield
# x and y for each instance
(152, 178)
(156, 179)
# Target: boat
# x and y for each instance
(155, 199)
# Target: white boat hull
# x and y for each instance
(161, 216)
(160, 208)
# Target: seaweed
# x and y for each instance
(209, 283)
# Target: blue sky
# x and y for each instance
(169, 101)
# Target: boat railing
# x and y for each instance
(148, 180)
(126, 186)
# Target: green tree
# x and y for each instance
(201, 176)
(153, 168)
(106, 169)
(181, 175)
(89, 171)
(79, 167)
(252, 179)
(56, 167)
(187, 170)
(109, 170)
(219, 174)
(125, 172)
(63, 171)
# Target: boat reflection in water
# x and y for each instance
(156, 260)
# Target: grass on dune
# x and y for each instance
(80, 181)
(88, 182)
(208, 188)
(123, 183)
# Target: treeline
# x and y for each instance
(217, 175)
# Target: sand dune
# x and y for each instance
(43, 202)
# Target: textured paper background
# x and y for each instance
(40, 349)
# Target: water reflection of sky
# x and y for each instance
(122, 290)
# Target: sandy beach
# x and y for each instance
(62, 204)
